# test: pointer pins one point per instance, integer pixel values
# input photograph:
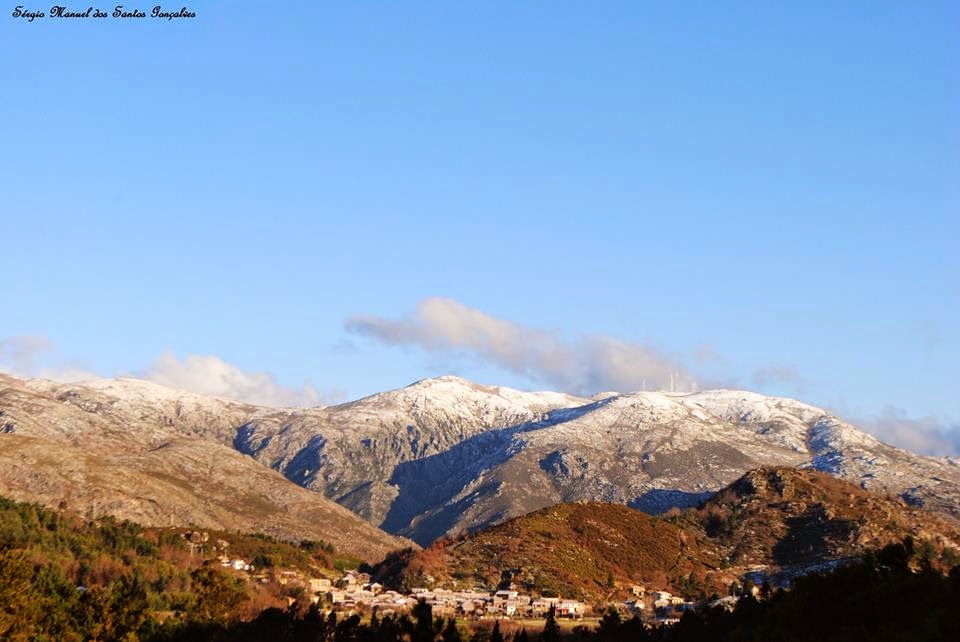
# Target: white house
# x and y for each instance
(320, 584)
(634, 605)
(569, 608)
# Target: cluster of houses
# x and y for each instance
(356, 591)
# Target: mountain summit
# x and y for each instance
(445, 455)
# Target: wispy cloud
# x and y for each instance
(777, 374)
(21, 353)
(924, 435)
(583, 365)
(27, 356)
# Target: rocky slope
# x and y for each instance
(137, 455)
(778, 521)
(444, 455)
(788, 518)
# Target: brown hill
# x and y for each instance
(777, 520)
(790, 518)
(590, 551)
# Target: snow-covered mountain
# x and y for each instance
(446, 454)
(157, 456)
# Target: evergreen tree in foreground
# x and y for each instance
(551, 630)
(451, 633)
(496, 635)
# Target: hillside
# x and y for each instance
(63, 577)
(573, 550)
(775, 520)
(444, 455)
(138, 459)
(791, 519)
(429, 460)
(70, 579)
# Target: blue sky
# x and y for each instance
(752, 194)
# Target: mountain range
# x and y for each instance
(436, 458)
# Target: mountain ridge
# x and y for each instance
(445, 454)
(97, 455)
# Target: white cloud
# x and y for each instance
(211, 375)
(584, 365)
(30, 356)
(924, 435)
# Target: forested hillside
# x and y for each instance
(65, 578)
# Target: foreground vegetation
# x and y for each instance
(66, 578)
(892, 595)
(63, 578)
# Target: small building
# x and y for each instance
(320, 584)
(541, 605)
(570, 609)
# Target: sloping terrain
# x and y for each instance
(66, 578)
(446, 455)
(98, 458)
(776, 520)
(790, 518)
(588, 551)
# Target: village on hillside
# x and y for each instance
(356, 592)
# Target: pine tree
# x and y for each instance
(551, 630)
(609, 626)
(423, 630)
(495, 635)
(451, 633)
